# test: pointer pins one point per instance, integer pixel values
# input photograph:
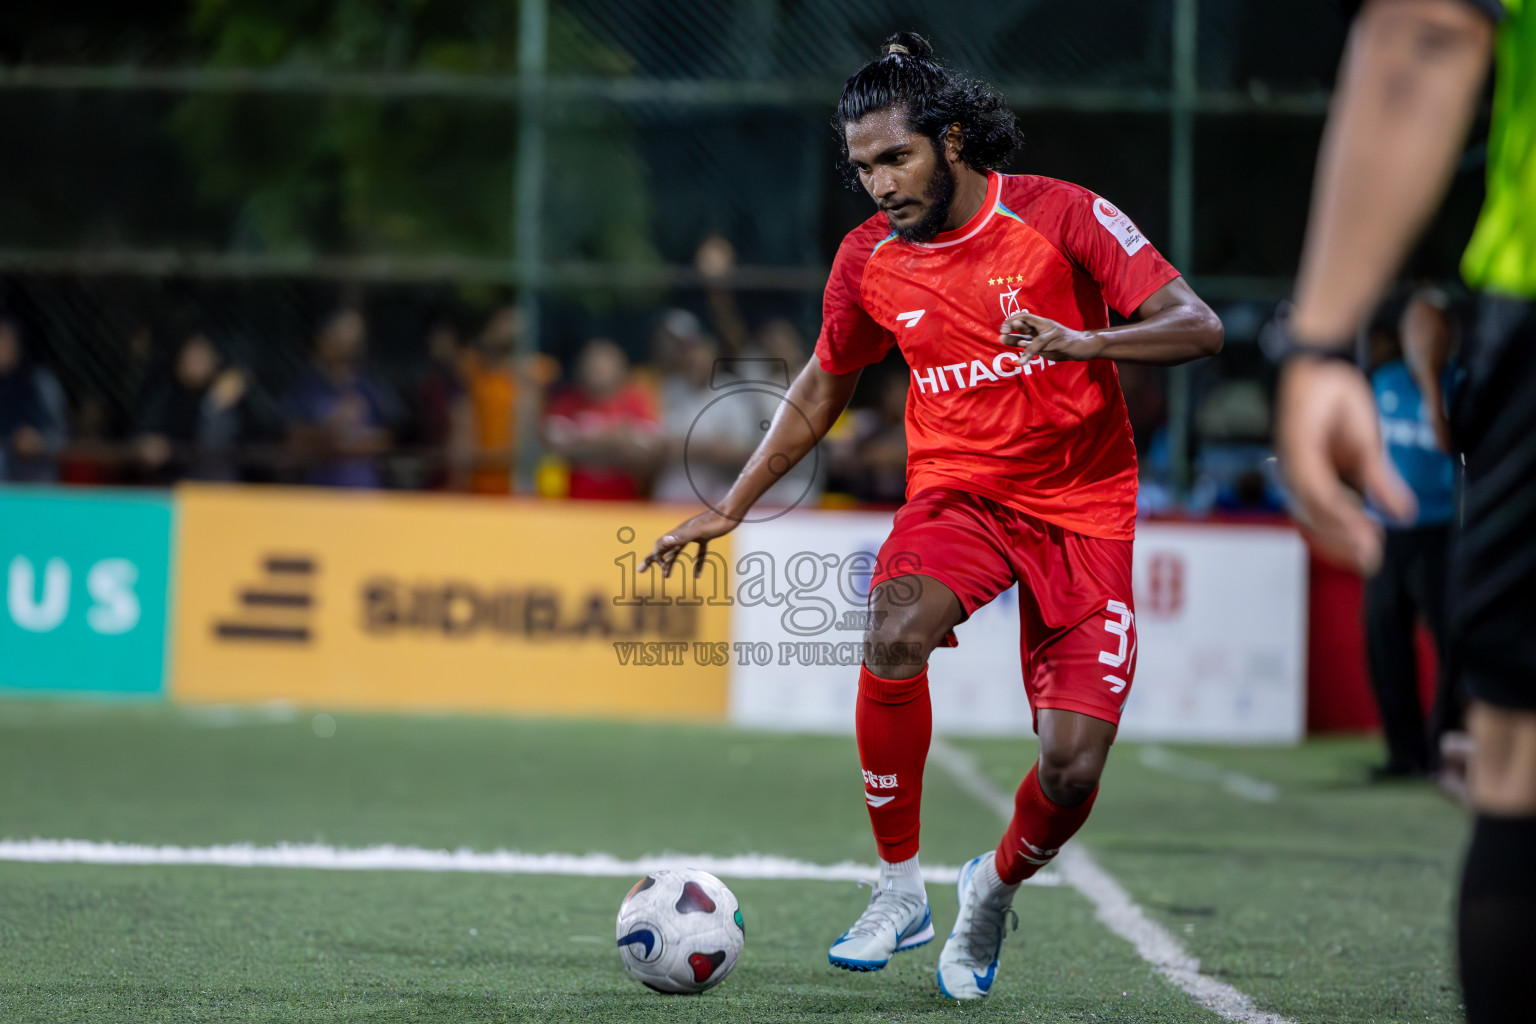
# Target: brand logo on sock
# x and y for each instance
(1040, 855)
(874, 781)
(878, 801)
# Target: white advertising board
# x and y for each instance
(1220, 615)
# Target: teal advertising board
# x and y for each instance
(87, 589)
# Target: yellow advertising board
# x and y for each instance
(434, 602)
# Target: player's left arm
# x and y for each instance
(1173, 325)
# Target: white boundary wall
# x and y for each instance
(1220, 610)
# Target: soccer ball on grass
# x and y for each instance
(680, 931)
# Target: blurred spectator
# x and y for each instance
(675, 328)
(1235, 469)
(715, 261)
(497, 386)
(92, 457)
(708, 431)
(190, 425)
(1411, 583)
(1145, 401)
(340, 415)
(779, 344)
(34, 413)
(868, 448)
(135, 380)
(604, 426)
(779, 338)
(439, 398)
(1236, 411)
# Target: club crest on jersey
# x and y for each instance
(1008, 299)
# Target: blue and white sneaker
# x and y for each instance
(968, 963)
(895, 920)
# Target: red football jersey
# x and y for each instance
(1050, 438)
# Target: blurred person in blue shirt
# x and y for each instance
(340, 414)
(1410, 343)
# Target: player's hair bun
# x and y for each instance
(907, 44)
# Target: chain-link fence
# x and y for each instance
(244, 169)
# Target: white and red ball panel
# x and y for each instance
(680, 931)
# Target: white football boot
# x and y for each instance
(968, 964)
(896, 919)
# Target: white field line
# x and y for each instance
(234, 716)
(1114, 906)
(1161, 759)
(317, 856)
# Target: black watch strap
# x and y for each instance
(1279, 345)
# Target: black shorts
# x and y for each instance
(1492, 601)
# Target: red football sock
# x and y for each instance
(894, 721)
(1038, 829)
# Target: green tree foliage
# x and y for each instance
(311, 172)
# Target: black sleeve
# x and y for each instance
(1493, 8)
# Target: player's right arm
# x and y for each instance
(820, 397)
(1407, 93)
(850, 340)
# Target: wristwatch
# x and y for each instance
(1278, 344)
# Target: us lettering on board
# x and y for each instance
(114, 609)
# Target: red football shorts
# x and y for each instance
(1077, 621)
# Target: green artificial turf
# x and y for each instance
(1329, 904)
(1332, 903)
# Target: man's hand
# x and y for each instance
(1039, 336)
(701, 529)
(1328, 434)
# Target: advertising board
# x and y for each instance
(392, 601)
(1220, 617)
(86, 590)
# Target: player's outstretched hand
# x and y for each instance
(1040, 336)
(1327, 435)
(700, 530)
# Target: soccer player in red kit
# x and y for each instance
(1020, 466)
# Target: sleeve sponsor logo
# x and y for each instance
(1119, 225)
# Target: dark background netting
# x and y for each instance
(370, 153)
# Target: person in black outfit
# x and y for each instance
(191, 423)
(1409, 344)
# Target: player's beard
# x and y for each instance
(940, 193)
